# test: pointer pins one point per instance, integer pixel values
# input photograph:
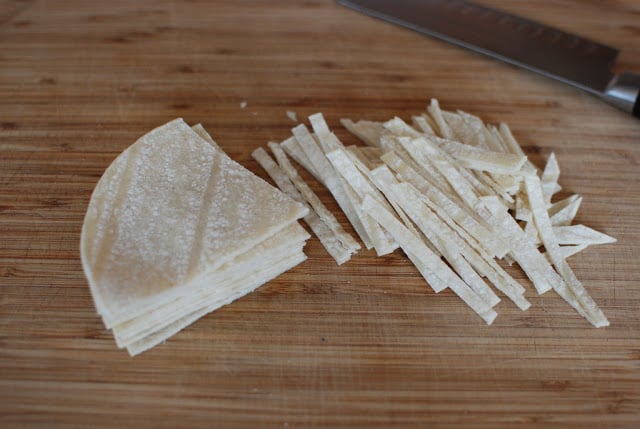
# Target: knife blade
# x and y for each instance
(574, 60)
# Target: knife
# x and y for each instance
(569, 58)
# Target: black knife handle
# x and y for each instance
(624, 93)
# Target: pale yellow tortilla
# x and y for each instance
(239, 289)
(214, 285)
(169, 207)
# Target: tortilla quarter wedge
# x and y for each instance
(169, 208)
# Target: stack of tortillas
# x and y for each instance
(176, 229)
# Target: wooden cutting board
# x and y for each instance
(364, 344)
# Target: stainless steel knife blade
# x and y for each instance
(572, 59)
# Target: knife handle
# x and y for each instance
(624, 92)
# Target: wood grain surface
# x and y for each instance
(366, 344)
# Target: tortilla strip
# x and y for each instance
(465, 131)
(383, 178)
(346, 240)
(436, 115)
(564, 212)
(568, 251)
(367, 131)
(331, 180)
(524, 251)
(443, 239)
(367, 155)
(293, 149)
(460, 244)
(422, 124)
(327, 140)
(485, 160)
(362, 187)
(401, 129)
(355, 184)
(439, 271)
(420, 164)
(549, 179)
(509, 140)
(575, 295)
(328, 238)
(460, 214)
(580, 234)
